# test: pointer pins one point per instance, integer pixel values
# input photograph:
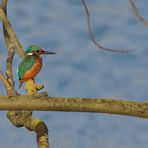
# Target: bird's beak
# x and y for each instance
(47, 52)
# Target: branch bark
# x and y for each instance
(11, 48)
(11, 33)
(23, 117)
(19, 118)
(33, 123)
(10, 89)
(98, 105)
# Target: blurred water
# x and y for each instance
(80, 69)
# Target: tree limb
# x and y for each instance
(20, 118)
(25, 118)
(33, 123)
(98, 105)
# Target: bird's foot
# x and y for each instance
(32, 89)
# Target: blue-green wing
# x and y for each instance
(25, 65)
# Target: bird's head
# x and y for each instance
(37, 51)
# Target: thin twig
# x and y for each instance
(9, 59)
(10, 89)
(11, 33)
(141, 18)
(5, 81)
(92, 36)
(11, 48)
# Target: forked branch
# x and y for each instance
(11, 49)
(19, 118)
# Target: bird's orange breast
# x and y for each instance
(34, 70)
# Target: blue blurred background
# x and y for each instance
(81, 69)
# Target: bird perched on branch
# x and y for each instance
(31, 64)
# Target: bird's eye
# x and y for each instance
(38, 51)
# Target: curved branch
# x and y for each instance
(92, 36)
(24, 118)
(11, 33)
(33, 123)
(11, 48)
(141, 18)
(20, 118)
(98, 105)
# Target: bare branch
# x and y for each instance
(11, 33)
(9, 60)
(5, 82)
(92, 36)
(10, 46)
(24, 118)
(98, 105)
(141, 18)
(10, 90)
(20, 118)
(35, 124)
(4, 5)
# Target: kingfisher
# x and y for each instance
(31, 63)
